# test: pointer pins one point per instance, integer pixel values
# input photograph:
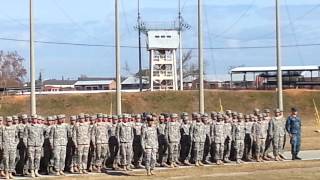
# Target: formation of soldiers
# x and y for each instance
(36, 145)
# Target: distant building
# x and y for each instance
(95, 85)
(58, 85)
(133, 82)
(212, 82)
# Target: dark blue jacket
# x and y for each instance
(293, 125)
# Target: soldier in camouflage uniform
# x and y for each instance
(228, 138)
(277, 131)
(125, 137)
(149, 141)
(92, 148)
(9, 143)
(185, 139)
(198, 137)
(114, 143)
(217, 135)
(58, 140)
(163, 141)
(173, 134)
(248, 141)
(82, 142)
(33, 138)
(137, 147)
(71, 157)
(259, 135)
(238, 136)
(2, 174)
(269, 140)
(21, 166)
(207, 144)
(101, 143)
(47, 161)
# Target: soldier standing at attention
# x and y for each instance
(277, 131)
(163, 141)
(92, 148)
(173, 133)
(238, 136)
(207, 144)
(149, 141)
(259, 132)
(9, 142)
(217, 135)
(59, 140)
(125, 137)
(22, 149)
(114, 143)
(198, 137)
(71, 157)
(101, 143)
(82, 137)
(47, 162)
(248, 141)
(33, 138)
(185, 139)
(137, 147)
(293, 127)
(2, 174)
(228, 138)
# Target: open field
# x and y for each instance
(243, 101)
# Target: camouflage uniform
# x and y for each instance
(217, 134)
(34, 138)
(185, 141)
(58, 140)
(277, 131)
(137, 148)
(114, 143)
(163, 143)
(207, 144)
(238, 136)
(102, 144)
(228, 140)
(125, 137)
(149, 141)
(47, 161)
(71, 152)
(248, 141)
(82, 137)
(198, 137)
(259, 137)
(22, 160)
(1, 148)
(173, 134)
(9, 143)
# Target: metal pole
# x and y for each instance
(118, 63)
(200, 54)
(140, 56)
(180, 48)
(32, 63)
(278, 53)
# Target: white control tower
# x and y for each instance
(162, 46)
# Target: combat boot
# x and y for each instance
(175, 164)
(187, 163)
(282, 156)
(164, 164)
(62, 173)
(129, 168)
(11, 176)
(57, 173)
(32, 174)
(152, 173)
(139, 166)
(148, 172)
(226, 160)
(37, 173)
(98, 169)
(238, 161)
(85, 171)
(51, 170)
(200, 163)
(197, 164)
(76, 169)
(80, 171)
(2, 174)
(71, 170)
(7, 175)
(172, 165)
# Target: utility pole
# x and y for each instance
(200, 56)
(118, 63)
(180, 47)
(140, 56)
(278, 56)
(32, 63)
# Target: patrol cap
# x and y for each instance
(81, 116)
(99, 115)
(264, 115)
(240, 116)
(154, 114)
(34, 116)
(125, 116)
(204, 115)
(24, 116)
(9, 118)
(277, 110)
(198, 115)
(174, 115)
(219, 116)
(260, 115)
(73, 118)
(86, 116)
(93, 117)
(267, 110)
(213, 113)
(55, 117)
(149, 118)
(293, 109)
(251, 116)
(228, 111)
(166, 115)
(247, 116)
(1, 118)
(234, 114)
(114, 117)
(50, 118)
(256, 110)
(161, 117)
(138, 116)
(15, 118)
(104, 115)
(109, 116)
(61, 116)
(184, 114)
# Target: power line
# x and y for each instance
(135, 47)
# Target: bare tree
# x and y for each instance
(11, 67)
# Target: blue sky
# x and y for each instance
(227, 23)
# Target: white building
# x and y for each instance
(162, 46)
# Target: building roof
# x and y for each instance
(95, 78)
(88, 83)
(135, 80)
(59, 82)
(274, 68)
